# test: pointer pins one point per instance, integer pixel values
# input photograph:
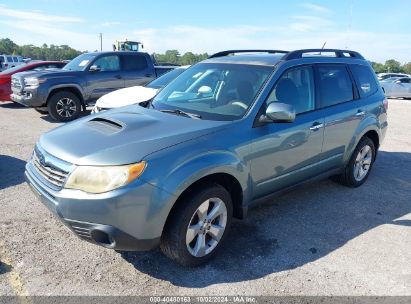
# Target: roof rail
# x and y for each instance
(338, 53)
(232, 52)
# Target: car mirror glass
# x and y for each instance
(279, 112)
(95, 68)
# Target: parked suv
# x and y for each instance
(64, 94)
(10, 61)
(235, 128)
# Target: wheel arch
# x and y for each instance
(371, 131)
(76, 90)
(228, 181)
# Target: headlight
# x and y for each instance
(102, 179)
(33, 81)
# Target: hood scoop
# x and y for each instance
(105, 125)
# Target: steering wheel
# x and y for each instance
(240, 104)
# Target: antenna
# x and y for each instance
(322, 47)
(349, 24)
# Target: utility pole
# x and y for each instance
(101, 41)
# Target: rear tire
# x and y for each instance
(359, 167)
(64, 106)
(197, 228)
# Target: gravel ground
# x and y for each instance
(321, 239)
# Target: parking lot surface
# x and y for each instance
(320, 239)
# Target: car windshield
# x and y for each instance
(165, 79)
(79, 63)
(214, 91)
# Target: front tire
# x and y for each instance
(359, 167)
(64, 106)
(197, 228)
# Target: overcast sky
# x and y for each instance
(380, 30)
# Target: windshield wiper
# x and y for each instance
(182, 113)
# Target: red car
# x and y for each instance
(5, 76)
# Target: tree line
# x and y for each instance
(65, 52)
(45, 52)
(392, 66)
(174, 57)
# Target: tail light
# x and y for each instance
(4, 80)
(385, 103)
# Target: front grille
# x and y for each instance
(49, 172)
(15, 83)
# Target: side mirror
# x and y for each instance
(398, 81)
(94, 68)
(278, 112)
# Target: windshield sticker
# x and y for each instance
(83, 63)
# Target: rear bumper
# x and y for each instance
(122, 219)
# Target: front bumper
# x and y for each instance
(122, 219)
(28, 97)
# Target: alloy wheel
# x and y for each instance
(363, 163)
(206, 227)
(66, 107)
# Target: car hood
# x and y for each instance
(123, 136)
(127, 96)
(36, 73)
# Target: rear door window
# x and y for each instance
(405, 80)
(134, 62)
(9, 59)
(335, 84)
(365, 80)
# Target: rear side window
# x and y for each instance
(335, 85)
(365, 80)
(9, 59)
(134, 62)
(1, 59)
(405, 80)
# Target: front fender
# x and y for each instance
(174, 173)
(205, 164)
(75, 86)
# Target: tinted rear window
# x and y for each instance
(335, 85)
(134, 62)
(365, 80)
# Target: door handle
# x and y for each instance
(360, 113)
(118, 76)
(148, 75)
(316, 126)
